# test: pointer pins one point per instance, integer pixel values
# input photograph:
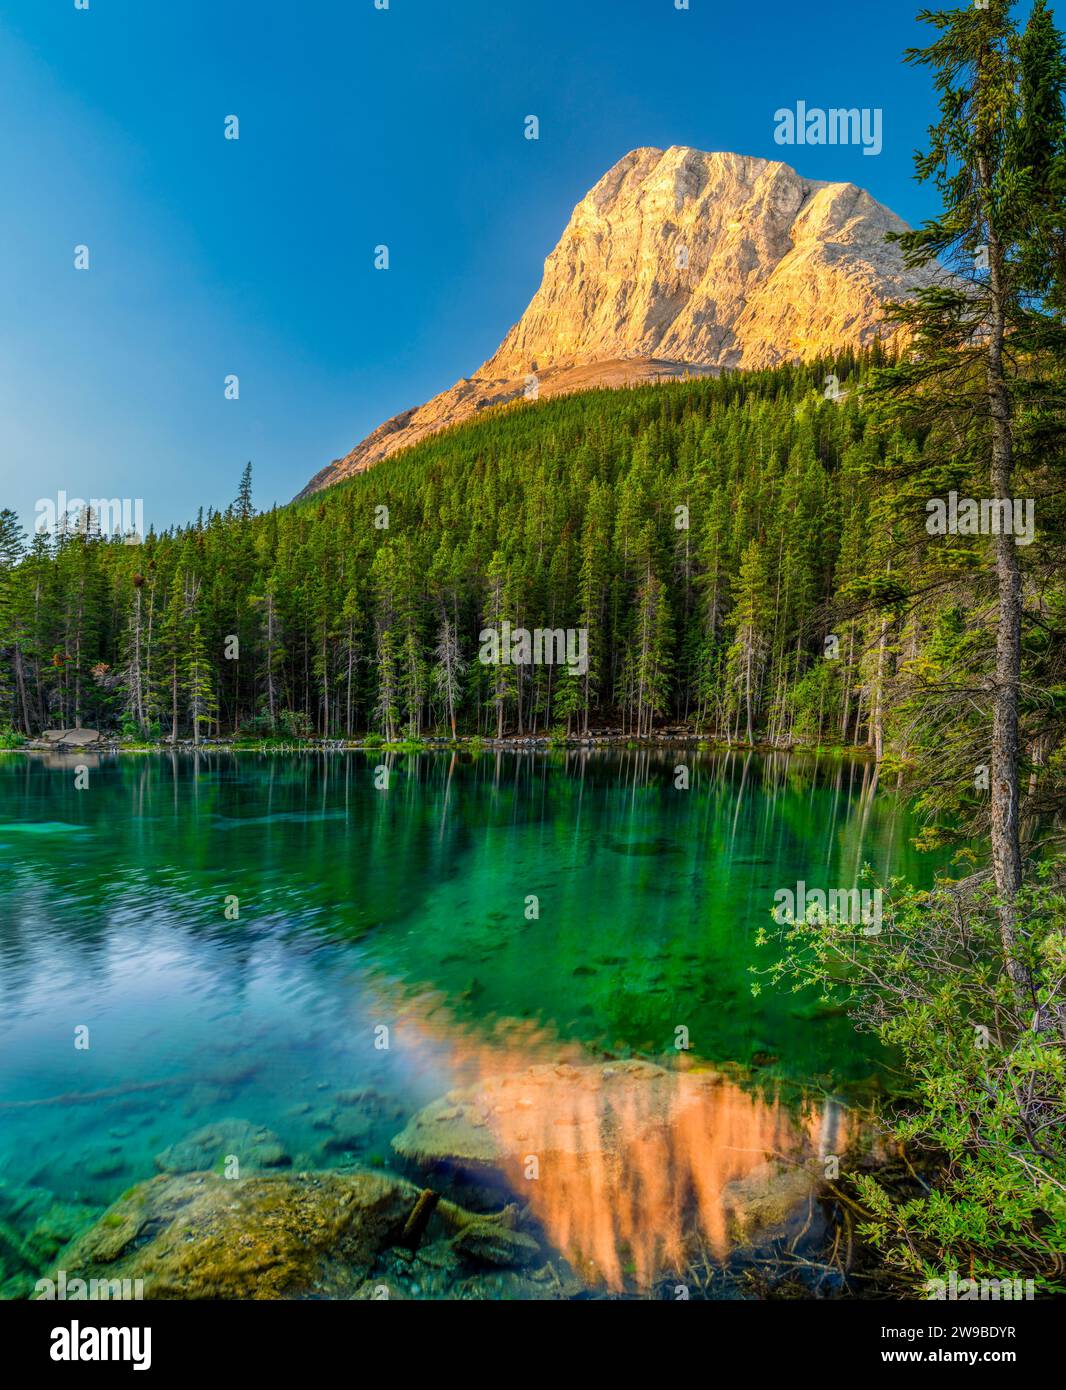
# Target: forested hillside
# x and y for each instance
(720, 540)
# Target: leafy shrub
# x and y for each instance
(295, 724)
(987, 1074)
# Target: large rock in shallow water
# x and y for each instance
(283, 1235)
(198, 1235)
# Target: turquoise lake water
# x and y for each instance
(354, 908)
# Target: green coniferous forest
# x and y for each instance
(749, 556)
(700, 533)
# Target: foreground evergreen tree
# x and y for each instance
(966, 982)
(984, 384)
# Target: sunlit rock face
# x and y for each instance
(630, 1167)
(681, 260)
(713, 259)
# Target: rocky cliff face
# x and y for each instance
(680, 260)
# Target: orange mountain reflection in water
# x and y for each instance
(635, 1158)
(626, 1164)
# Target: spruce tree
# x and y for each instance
(979, 363)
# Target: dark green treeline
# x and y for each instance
(708, 535)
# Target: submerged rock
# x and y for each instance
(765, 1201)
(490, 1242)
(198, 1235)
(349, 1130)
(279, 1235)
(254, 1146)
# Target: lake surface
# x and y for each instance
(243, 933)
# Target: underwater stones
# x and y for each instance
(255, 1147)
(366, 1097)
(441, 1255)
(204, 1096)
(15, 1252)
(108, 1164)
(47, 1221)
(449, 1133)
(286, 1235)
(59, 1224)
(370, 1101)
(491, 1242)
(380, 1290)
(348, 1131)
(34, 1226)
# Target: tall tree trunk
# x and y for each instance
(20, 681)
(1006, 845)
(847, 685)
(348, 691)
(138, 691)
(747, 692)
(174, 699)
(877, 709)
(271, 701)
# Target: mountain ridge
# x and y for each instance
(677, 261)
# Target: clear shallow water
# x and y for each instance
(406, 908)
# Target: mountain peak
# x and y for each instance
(676, 260)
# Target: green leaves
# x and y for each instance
(991, 1090)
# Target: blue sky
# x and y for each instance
(357, 126)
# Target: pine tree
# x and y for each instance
(746, 658)
(651, 650)
(982, 340)
(449, 667)
(134, 679)
(173, 644)
(387, 706)
(198, 686)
